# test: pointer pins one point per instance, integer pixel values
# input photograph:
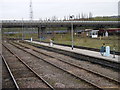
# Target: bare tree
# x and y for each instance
(46, 19)
(87, 16)
(90, 15)
(54, 18)
(40, 19)
(76, 17)
(79, 16)
(69, 17)
(65, 18)
(82, 15)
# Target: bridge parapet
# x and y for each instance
(36, 23)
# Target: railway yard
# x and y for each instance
(62, 45)
(27, 66)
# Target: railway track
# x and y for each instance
(76, 80)
(75, 76)
(72, 64)
(109, 79)
(72, 77)
(18, 80)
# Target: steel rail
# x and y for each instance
(50, 86)
(85, 80)
(12, 76)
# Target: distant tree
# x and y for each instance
(82, 16)
(65, 18)
(54, 18)
(90, 15)
(69, 17)
(40, 19)
(46, 19)
(76, 17)
(79, 16)
(85, 16)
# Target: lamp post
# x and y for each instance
(22, 30)
(72, 32)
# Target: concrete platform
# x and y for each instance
(81, 51)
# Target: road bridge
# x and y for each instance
(37, 23)
(42, 25)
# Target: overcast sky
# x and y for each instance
(18, 9)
